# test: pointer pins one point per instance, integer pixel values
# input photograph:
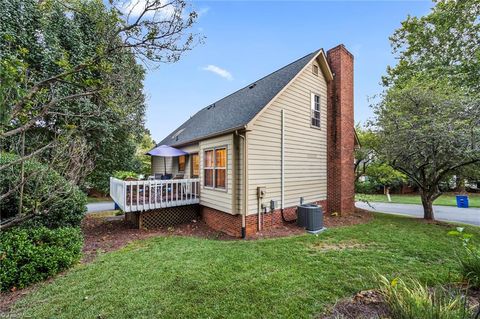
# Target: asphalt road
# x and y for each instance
(444, 213)
(100, 207)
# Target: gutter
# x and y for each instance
(201, 138)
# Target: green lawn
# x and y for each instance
(444, 200)
(295, 277)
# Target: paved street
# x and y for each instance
(445, 213)
(100, 206)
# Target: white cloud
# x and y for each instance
(219, 71)
(137, 7)
(202, 11)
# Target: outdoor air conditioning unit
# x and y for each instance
(310, 217)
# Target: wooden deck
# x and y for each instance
(132, 196)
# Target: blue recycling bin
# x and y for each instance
(462, 201)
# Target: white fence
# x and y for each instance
(132, 196)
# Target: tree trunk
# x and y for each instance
(460, 184)
(22, 176)
(427, 202)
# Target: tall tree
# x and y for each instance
(428, 118)
(369, 164)
(442, 44)
(365, 152)
(428, 132)
(71, 84)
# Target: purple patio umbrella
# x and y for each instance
(166, 151)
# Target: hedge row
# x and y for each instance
(56, 201)
(29, 255)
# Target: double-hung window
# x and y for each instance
(315, 109)
(215, 168)
(181, 163)
(195, 165)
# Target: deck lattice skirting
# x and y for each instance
(163, 217)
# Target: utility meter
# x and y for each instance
(261, 191)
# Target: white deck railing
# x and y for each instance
(132, 196)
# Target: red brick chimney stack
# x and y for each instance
(340, 133)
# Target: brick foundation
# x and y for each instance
(232, 224)
(221, 221)
(340, 133)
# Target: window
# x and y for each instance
(195, 165)
(315, 69)
(215, 168)
(315, 110)
(208, 168)
(181, 163)
(220, 167)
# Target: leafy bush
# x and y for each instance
(410, 299)
(125, 174)
(31, 255)
(54, 201)
(367, 187)
(468, 257)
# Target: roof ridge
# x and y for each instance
(239, 107)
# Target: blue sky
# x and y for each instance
(246, 40)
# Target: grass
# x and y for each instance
(295, 277)
(411, 299)
(444, 200)
(106, 213)
(98, 199)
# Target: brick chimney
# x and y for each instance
(340, 133)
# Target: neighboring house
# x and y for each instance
(258, 151)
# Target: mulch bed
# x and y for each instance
(371, 304)
(112, 233)
(360, 216)
(105, 234)
(364, 305)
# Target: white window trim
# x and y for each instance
(214, 167)
(184, 164)
(313, 111)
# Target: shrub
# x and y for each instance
(410, 299)
(125, 174)
(31, 255)
(470, 262)
(53, 200)
(468, 257)
(367, 187)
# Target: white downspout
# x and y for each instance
(244, 184)
(282, 163)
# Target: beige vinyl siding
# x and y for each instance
(305, 146)
(158, 166)
(217, 198)
(172, 163)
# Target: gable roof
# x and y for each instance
(236, 110)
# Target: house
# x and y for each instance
(253, 155)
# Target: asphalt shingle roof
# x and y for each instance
(237, 109)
